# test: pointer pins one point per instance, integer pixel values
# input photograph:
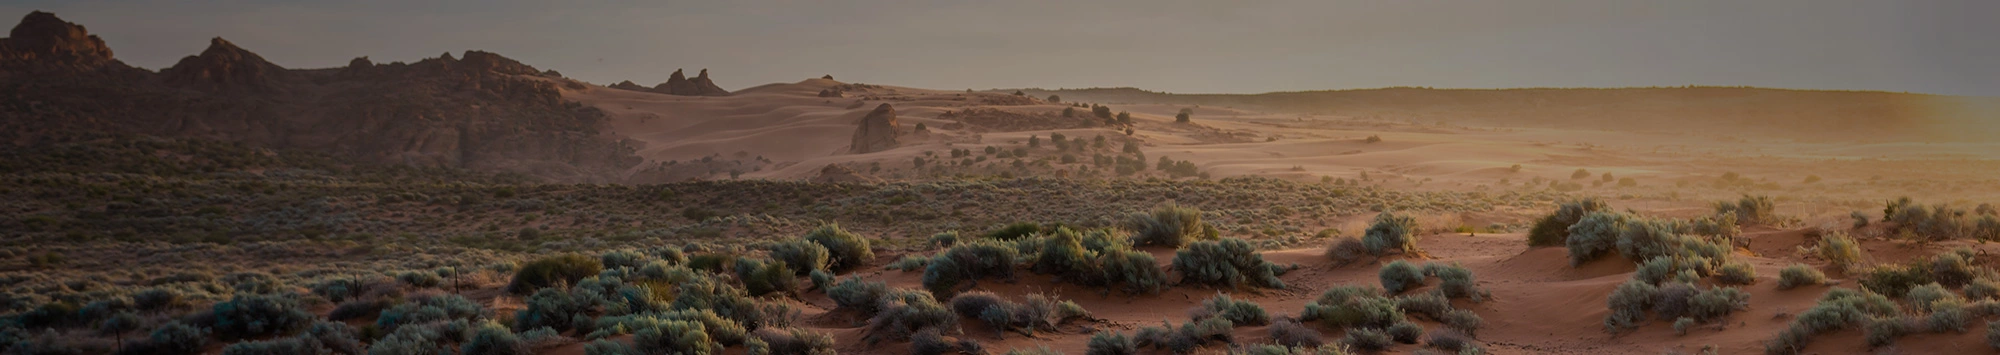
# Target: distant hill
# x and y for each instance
(1795, 114)
(481, 111)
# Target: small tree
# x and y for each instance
(1183, 116)
(1056, 99)
(1034, 141)
(1124, 117)
(119, 324)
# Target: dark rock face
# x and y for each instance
(484, 112)
(679, 84)
(42, 42)
(877, 132)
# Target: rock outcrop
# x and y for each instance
(877, 131)
(834, 173)
(629, 85)
(224, 66)
(679, 84)
(42, 42)
(482, 112)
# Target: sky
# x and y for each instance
(1245, 46)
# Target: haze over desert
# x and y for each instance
(231, 202)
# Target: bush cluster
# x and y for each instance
(551, 271)
(845, 250)
(1170, 225)
(1229, 262)
(1553, 229)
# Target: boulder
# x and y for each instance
(877, 131)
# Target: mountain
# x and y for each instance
(482, 111)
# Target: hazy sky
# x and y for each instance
(1946, 47)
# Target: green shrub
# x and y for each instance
(1949, 314)
(1464, 321)
(1682, 325)
(607, 347)
(795, 341)
(821, 279)
(1628, 305)
(845, 250)
(420, 279)
(1111, 343)
(1951, 269)
(1922, 297)
(910, 262)
(1239, 312)
(1993, 334)
(1736, 273)
(675, 337)
(1229, 262)
(1750, 210)
(246, 316)
(1015, 230)
(1840, 250)
(801, 255)
(1893, 280)
(426, 308)
(1980, 289)
(1593, 235)
(968, 262)
(555, 270)
(1344, 306)
(1391, 232)
(904, 312)
(1429, 304)
(278, 346)
(1553, 229)
(1345, 250)
(1063, 254)
(1134, 271)
(1457, 282)
(1796, 275)
(854, 293)
(943, 239)
(760, 277)
(1452, 342)
(550, 307)
(176, 337)
(1715, 303)
(493, 339)
(1170, 225)
(1406, 332)
(1400, 275)
(623, 258)
(1367, 339)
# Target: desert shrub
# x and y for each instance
(607, 347)
(1063, 254)
(712, 262)
(1170, 225)
(910, 262)
(794, 341)
(335, 336)
(801, 255)
(1457, 281)
(1980, 289)
(1923, 296)
(1796, 275)
(176, 337)
(1103, 239)
(156, 299)
(1192, 335)
(550, 307)
(1240, 312)
(1593, 235)
(1750, 210)
(1628, 305)
(1682, 324)
(555, 270)
(494, 339)
(1405, 332)
(1674, 300)
(279, 346)
(1554, 229)
(1736, 273)
(1400, 275)
(1463, 321)
(1346, 250)
(675, 337)
(428, 308)
(1391, 232)
(760, 277)
(1131, 270)
(854, 293)
(1993, 334)
(821, 279)
(1289, 332)
(1343, 306)
(1948, 314)
(246, 316)
(1037, 350)
(1951, 269)
(1718, 302)
(943, 239)
(1840, 250)
(845, 250)
(1014, 230)
(1228, 262)
(627, 259)
(972, 304)
(1430, 304)
(1452, 342)
(930, 342)
(904, 312)
(1367, 339)
(1111, 343)
(968, 262)
(1839, 308)
(1893, 280)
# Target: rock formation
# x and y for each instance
(834, 173)
(679, 84)
(831, 92)
(224, 66)
(629, 85)
(483, 112)
(877, 131)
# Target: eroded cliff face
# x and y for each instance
(679, 84)
(482, 111)
(877, 131)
